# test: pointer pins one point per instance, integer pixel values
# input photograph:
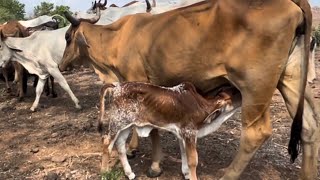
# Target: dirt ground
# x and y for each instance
(60, 142)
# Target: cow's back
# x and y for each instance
(202, 43)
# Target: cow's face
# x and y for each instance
(75, 43)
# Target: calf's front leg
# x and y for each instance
(192, 155)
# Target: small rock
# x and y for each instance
(58, 159)
(53, 135)
(34, 150)
(52, 176)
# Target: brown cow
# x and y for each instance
(180, 110)
(244, 43)
(15, 29)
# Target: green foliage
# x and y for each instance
(114, 174)
(316, 34)
(11, 10)
(46, 8)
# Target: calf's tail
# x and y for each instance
(105, 90)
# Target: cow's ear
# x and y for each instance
(81, 40)
(1, 35)
(11, 45)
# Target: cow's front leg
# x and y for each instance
(121, 148)
(39, 90)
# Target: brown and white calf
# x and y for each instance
(180, 110)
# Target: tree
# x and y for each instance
(11, 10)
(316, 34)
(48, 9)
(44, 8)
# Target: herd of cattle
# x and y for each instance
(182, 66)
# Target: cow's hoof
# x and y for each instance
(8, 90)
(20, 99)
(33, 109)
(54, 95)
(153, 174)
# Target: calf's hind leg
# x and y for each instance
(121, 148)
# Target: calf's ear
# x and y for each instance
(81, 40)
(212, 116)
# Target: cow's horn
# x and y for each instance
(95, 18)
(94, 5)
(104, 4)
(74, 21)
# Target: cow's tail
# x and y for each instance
(149, 8)
(296, 129)
(106, 90)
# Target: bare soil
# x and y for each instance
(60, 142)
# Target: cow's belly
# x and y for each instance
(205, 78)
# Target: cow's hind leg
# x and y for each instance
(289, 87)
(256, 92)
(63, 83)
(256, 129)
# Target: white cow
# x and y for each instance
(112, 14)
(39, 20)
(40, 54)
(42, 51)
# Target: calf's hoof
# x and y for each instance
(78, 107)
(153, 174)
